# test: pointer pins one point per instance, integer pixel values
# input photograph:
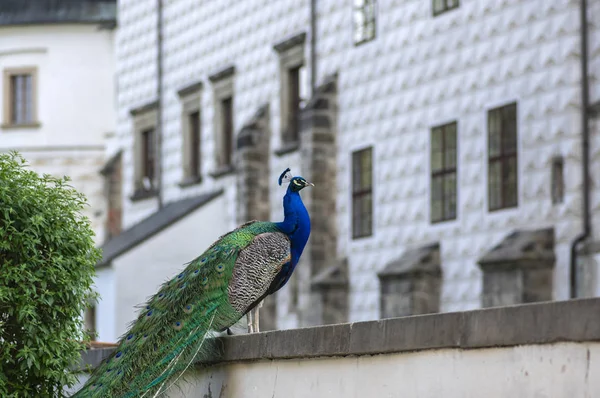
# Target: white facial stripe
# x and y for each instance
(296, 182)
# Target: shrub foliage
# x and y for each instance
(47, 258)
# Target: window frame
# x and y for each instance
(360, 9)
(359, 194)
(148, 155)
(224, 152)
(194, 120)
(444, 172)
(503, 158)
(191, 99)
(113, 189)
(445, 8)
(557, 183)
(291, 58)
(90, 321)
(292, 128)
(8, 103)
(144, 119)
(225, 157)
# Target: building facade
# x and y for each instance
(445, 140)
(57, 103)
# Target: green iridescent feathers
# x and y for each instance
(173, 328)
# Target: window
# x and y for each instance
(194, 148)
(90, 321)
(223, 84)
(226, 137)
(364, 20)
(112, 179)
(145, 121)
(362, 193)
(443, 173)
(293, 122)
(191, 121)
(441, 6)
(20, 101)
(502, 160)
(293, 88)
(558, 181)
(148, 157)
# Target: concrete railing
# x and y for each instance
(536, 350)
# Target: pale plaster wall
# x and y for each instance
(562, 370)
(550, 371)
(105, 285)
(419, 71)
(75, 82)
(140, 271)
(534, 350)
(75, 103)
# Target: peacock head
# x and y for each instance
(296, 183)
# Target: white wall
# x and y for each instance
(75, 82)
(418, 72)
(199, 39)
(140, 271)
(75, 102)
(105, 285)
(551, 371)
(421, 71)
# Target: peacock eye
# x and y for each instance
(296, 182)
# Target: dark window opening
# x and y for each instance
(558, 181)
(362, 193)
(21, 99)
(114, 200)
(90, 322)
(226, 149)
(148, 158)
(441, 6)
(502, 158)
(293, 123)
(194, 135)
(443, 172)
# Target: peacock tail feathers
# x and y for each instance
(173, 328)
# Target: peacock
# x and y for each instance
(212, 293)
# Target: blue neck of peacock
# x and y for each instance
(296, 223)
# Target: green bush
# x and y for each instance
(47, 258)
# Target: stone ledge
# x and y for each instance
(287, 148)
(290, 42)
(222, 73)
(540, 323)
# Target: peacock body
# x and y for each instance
(212, 293)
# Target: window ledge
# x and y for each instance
(287, 147)
(190, 180)
(445, 10)
(20, 126)
(501, 209)
(222, 171)
(364, 41)
(141, 194)
(442, 221)
(362, 236)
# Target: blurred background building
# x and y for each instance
(448, 141)
(444, 139)
(58, 89)
(58, 92)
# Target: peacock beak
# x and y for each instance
(309, 184)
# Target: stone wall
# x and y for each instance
(544, 349)
(252, 176)
(319, 165)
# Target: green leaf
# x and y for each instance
(47, 259)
